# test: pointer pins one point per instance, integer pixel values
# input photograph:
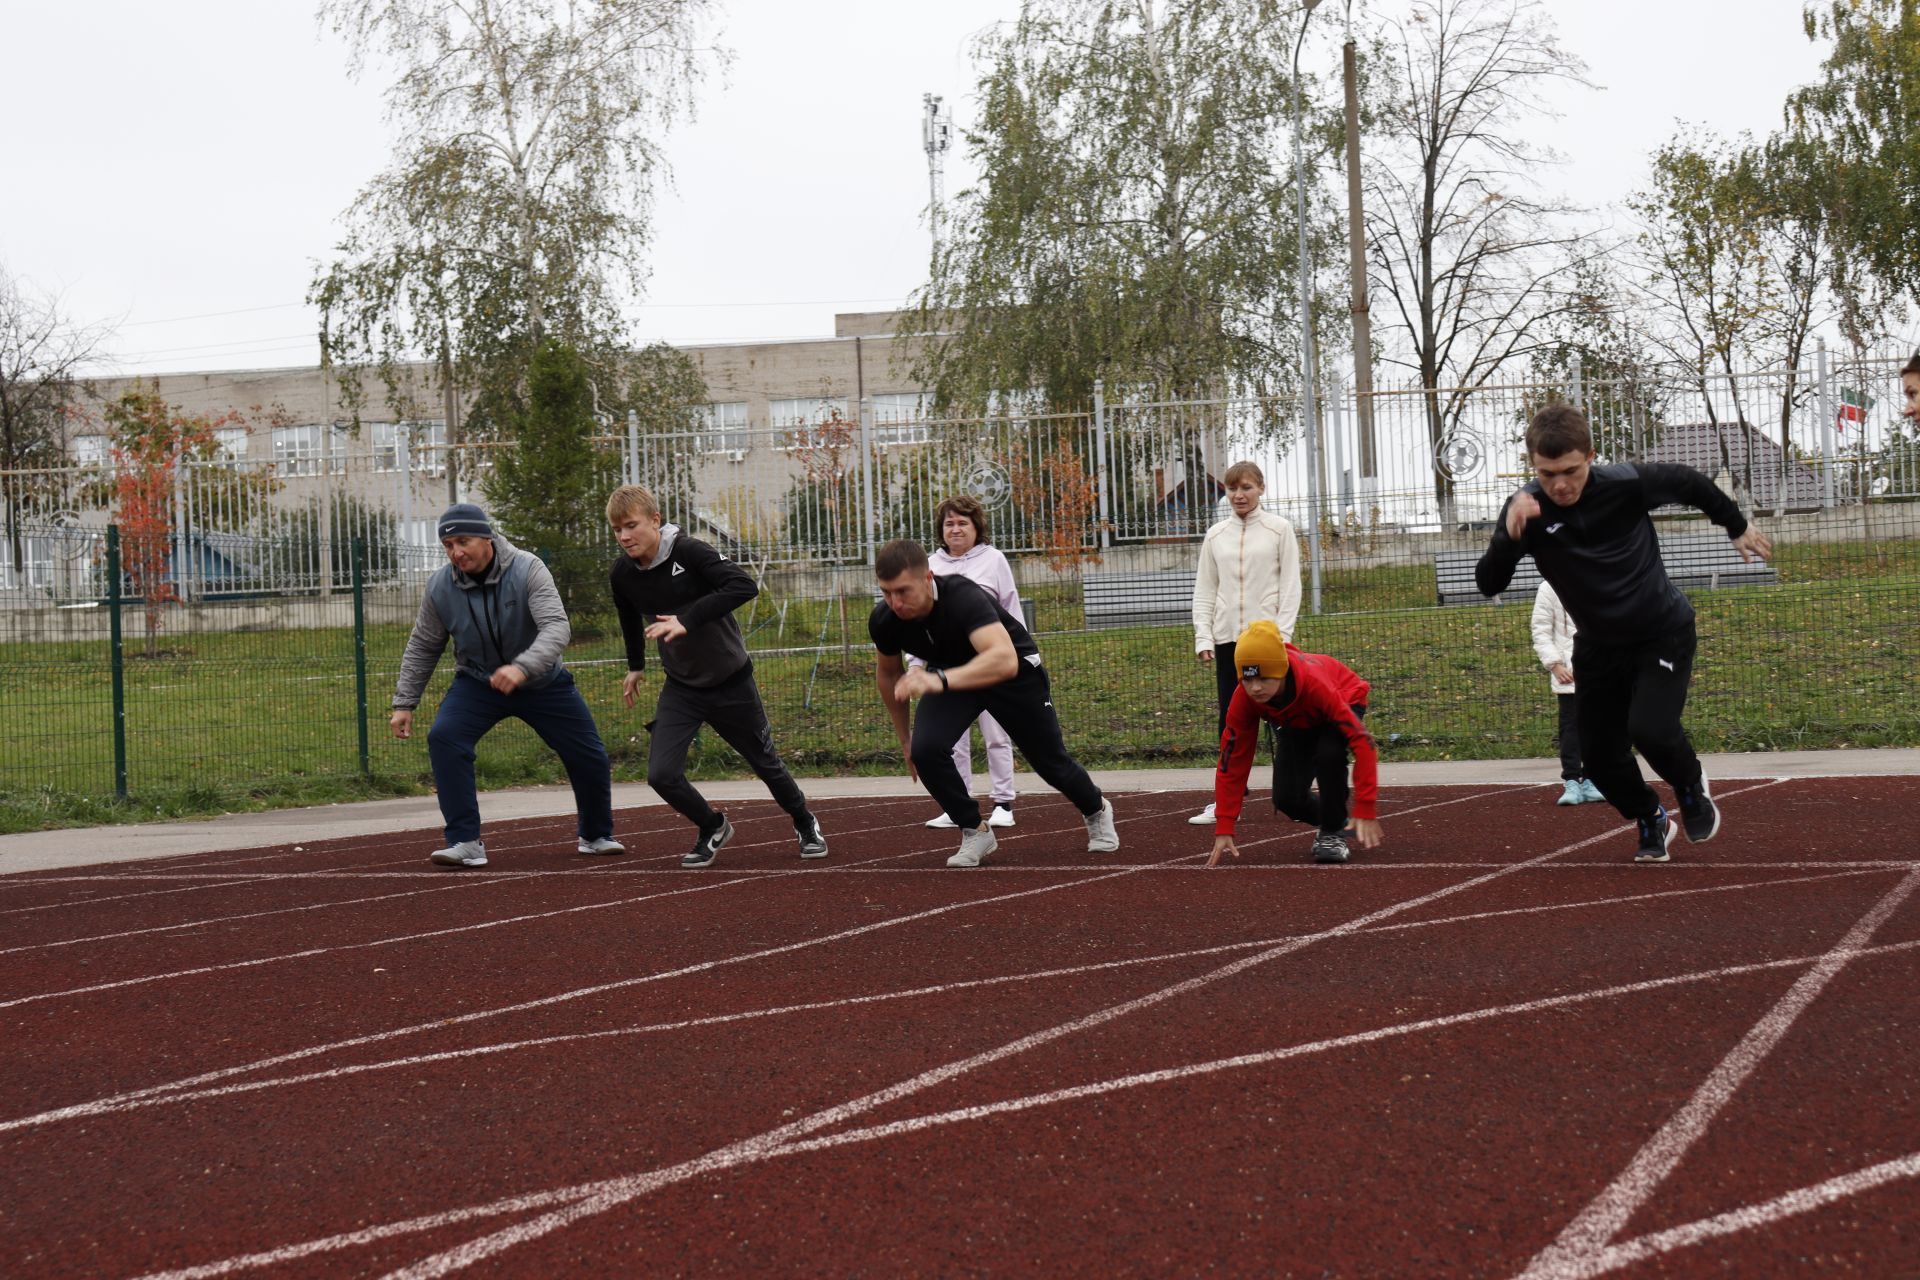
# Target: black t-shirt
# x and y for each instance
(941, 639)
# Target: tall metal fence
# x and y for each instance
(248, 641)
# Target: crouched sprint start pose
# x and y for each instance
(681, 593)
(979, 658)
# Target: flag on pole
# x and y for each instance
(1854, 404)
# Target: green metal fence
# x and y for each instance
(111, 708)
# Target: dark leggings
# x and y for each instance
(1307, 756)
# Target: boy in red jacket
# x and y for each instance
(1316, 703)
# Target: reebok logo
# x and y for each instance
(1556, 526)
(1663, 662)
(678, 569)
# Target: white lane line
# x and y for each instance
(110, 1103)
(249, 915)
(912, 993)
(613, 1193)
(563, 1195)
(1444, 1022)
(1596, 1226)
(220, 883)
(1766, 1213)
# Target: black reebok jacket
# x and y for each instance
(696, 584)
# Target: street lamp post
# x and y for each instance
(1307, 411)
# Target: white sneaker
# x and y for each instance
(1204, 818)
(605, 844)
(1001, 816)
(975, 845)
(1101, 837)
(468, 853)
(942, 823)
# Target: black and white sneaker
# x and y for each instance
(1698, 813)
(1330, 847)
(709, 845)
(812, 843)
(1656, 837)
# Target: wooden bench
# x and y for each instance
(1704, 561)
(1148, 598)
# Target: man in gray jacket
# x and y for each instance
(499, 606)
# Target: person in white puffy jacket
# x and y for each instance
(1553, 632)
(962, 523)
(1249, 572)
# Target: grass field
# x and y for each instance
(246, 719)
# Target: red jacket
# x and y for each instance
(1325, 691)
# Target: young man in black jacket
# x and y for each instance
(682, 593)
(979, 658)
(1588, 530)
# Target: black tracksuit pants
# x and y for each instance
(1024, 708)
(736, 713)
(1631, 697)
(1307, 756)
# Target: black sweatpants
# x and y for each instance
(1568, 736)
(736, 713)
(1024, 708)
(1631, 697)
(1307, 756)
(1226, 678)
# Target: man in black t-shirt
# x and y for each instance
(1588, 530)
(979, 658)
(681, 593)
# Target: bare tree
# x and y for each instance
(42, 353)
(1460, 239)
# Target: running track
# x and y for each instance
(1494, 1047)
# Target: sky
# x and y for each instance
(177, 172)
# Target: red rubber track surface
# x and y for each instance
(1494, 1046)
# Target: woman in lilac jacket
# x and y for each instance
(962, 524)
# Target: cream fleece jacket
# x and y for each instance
(1249, 571)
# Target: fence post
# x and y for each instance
(1578, 387)
(633, 446)
(1102, 468)
(117, 660)
(323, 526)
(1824, 398)
(866, 472)
(359, 553)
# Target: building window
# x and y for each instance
(724, 429)
(89, 451)
(298, 450)
(798, 421)
(901, 417)
(426, 446)
(230, 443)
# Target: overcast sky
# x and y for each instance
(179, 170)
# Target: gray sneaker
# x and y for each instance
(468, 853)
(604, 844)
(1101, 837)
(975, 845)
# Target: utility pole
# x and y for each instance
(1357, 261)
(936, 134)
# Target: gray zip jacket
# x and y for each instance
(512, 615)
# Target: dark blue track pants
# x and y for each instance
(556, 712)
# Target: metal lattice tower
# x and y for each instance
(936, 134)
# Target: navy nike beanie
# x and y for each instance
(464, 519)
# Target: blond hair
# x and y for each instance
(631, 500)
(1243, 471)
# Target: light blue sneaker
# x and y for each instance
(1574, 794)
(1589, 793)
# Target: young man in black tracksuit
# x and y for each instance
(682, 593)
(979, 658)
(1588, 530)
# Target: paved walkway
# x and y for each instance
(89, 846)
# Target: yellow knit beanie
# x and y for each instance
(1261, 651)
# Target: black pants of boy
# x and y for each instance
(735, 712)
(1308, 756)
(1568, 737)
(1024, 708)
(1631, 697)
